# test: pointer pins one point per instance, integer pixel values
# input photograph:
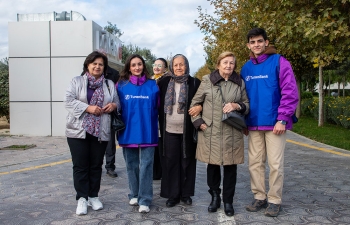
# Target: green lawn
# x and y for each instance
(329, 134)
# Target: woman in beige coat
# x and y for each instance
(220, 144)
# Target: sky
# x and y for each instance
(165, 27)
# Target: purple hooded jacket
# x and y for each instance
(288, 86)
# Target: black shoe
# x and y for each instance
(273, 210)
(256, 205)
(215, 200)
(112, 173)
(171, 202)
(187, 200)
(229, 211)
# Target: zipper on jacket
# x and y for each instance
(222, 131)
(212, 118)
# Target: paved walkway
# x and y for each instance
(36, 187)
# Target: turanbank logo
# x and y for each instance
(127, 97)
(248, 78)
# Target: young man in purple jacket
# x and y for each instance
(273, 96)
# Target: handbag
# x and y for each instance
(117, 123)
(234, 119)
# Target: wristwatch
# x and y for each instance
(283, 122)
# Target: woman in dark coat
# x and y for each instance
(177, 132)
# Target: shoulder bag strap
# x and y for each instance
(108, 87)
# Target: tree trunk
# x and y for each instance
(298, 111)
(320, 94)
(329, 84)
(343, 85)
(338, 88)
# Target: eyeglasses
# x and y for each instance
(157, 65)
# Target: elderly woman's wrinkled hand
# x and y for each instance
(229, 107)
(110, 107)
(203, 126)
(195, 110)
(94, 109)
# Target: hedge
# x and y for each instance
(336, 110)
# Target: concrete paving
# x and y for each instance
(36, 187)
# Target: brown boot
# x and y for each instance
(256, 205)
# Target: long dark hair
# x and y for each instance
(91, 58)
(125, 73)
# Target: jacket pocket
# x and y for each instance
(72, 122)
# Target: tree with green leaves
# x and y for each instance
(4, 88)
(113, 29)
(343, 75)
(202, 71)
(317, 31)
(146, 54)
(129, 49)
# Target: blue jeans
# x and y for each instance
(139, 166)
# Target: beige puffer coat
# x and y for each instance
(219, 144)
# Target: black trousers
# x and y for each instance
(229, 181)
(157, 163)
(110, 152)
(87, 156)
(179, 173)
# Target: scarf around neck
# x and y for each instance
(170, 96)
(91, 123)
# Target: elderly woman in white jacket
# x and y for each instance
(89, 99)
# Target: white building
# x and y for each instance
(45, 52)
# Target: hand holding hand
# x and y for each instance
(195, 110)
(94, 109)
(110, 107)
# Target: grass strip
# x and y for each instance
(329, 134)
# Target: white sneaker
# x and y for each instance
(95, 203)
(133, 201)
(143, 209)
(82, 206)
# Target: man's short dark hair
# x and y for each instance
(256, 32)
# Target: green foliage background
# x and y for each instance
(4, 88)
(336, 110)
(129, 49)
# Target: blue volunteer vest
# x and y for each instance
(262, 85)
(139, 113)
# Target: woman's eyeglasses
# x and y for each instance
(157, 65)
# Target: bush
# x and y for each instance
(4, 89)
(336, 110)
(306, 95)
(307, 107)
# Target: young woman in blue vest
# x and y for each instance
(177, 130)
(139, 104)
